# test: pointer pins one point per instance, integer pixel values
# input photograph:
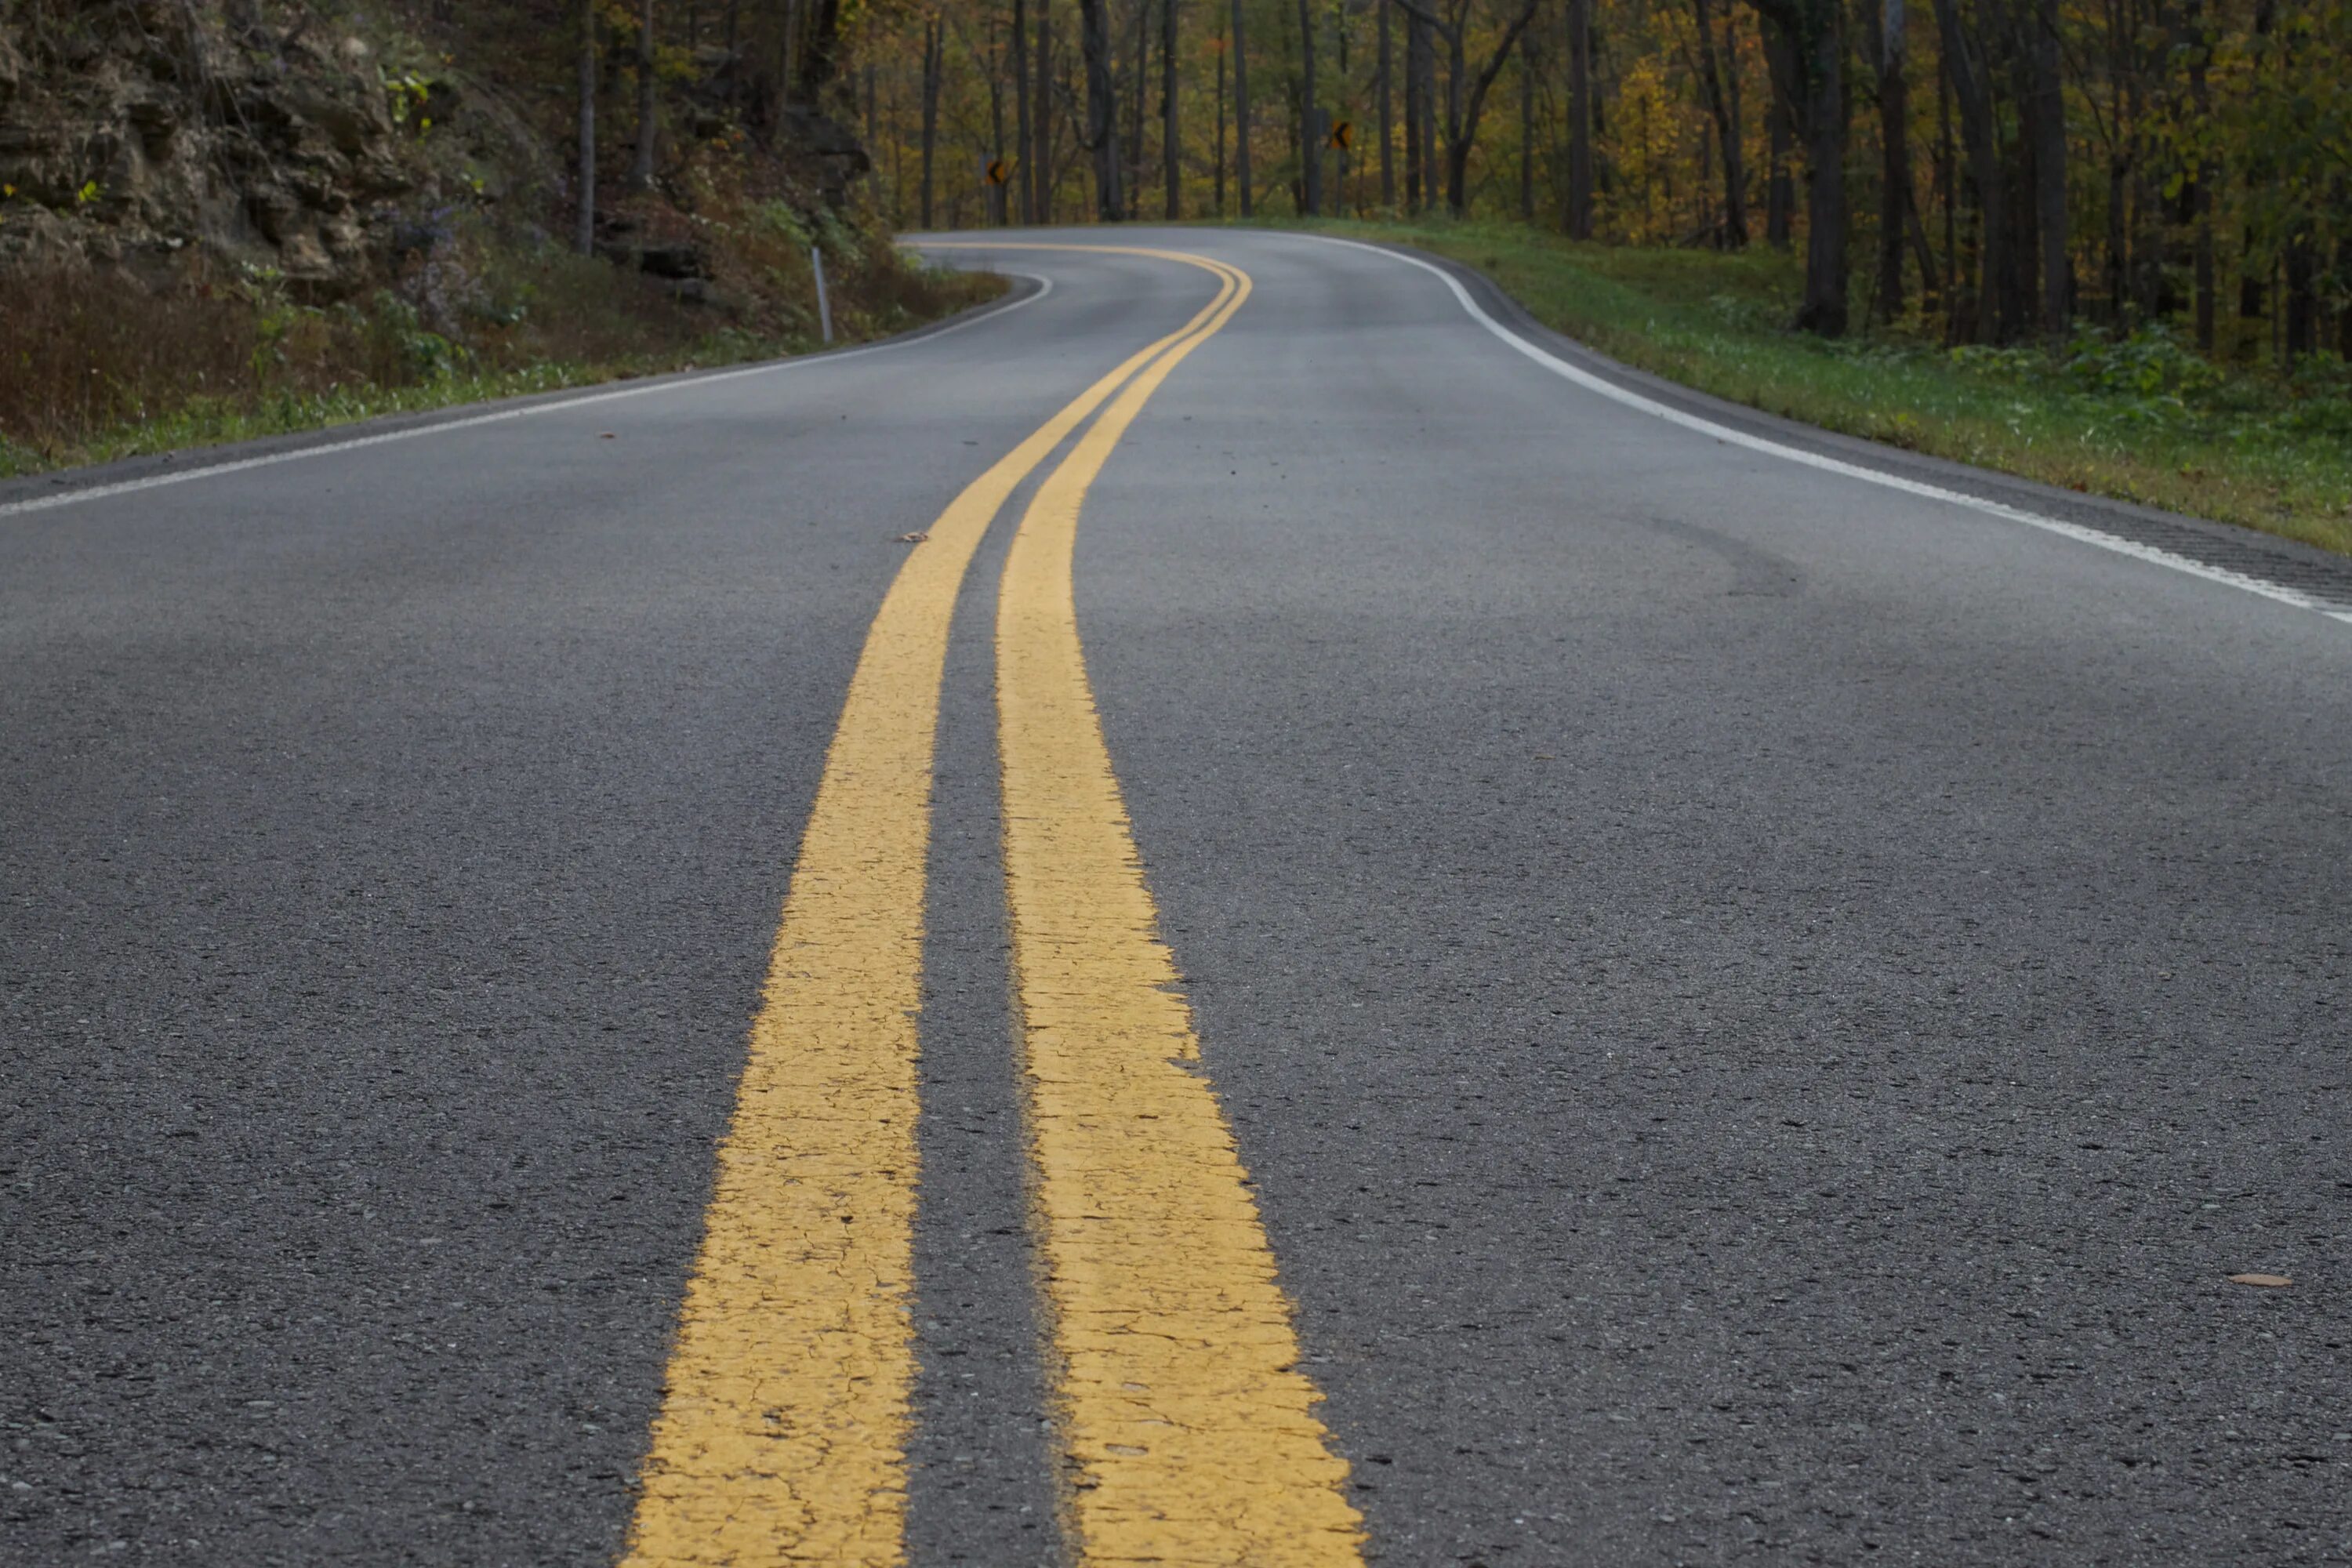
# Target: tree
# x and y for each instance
(1171, 145)
(1723, 103)
(1580, 121)
(1462, 111)
(2218, 135)
(1894, 148)
(1240, 111)
(584, 235)
(1815, 31)
(640, 169)
(1311, 131)
(934, 69)
(1102, 109)
(1023, 144)
(1388, 122)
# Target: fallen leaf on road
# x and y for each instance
(912, 538)
(607, 435)
(2273, 1281)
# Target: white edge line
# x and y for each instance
(500, 415)
(1611, 391)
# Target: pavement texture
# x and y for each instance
(1762, 1011)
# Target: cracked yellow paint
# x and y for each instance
(782, 1436)
(1191, 1428)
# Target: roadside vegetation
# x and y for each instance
(96, 372)
(2107, 244)
(2139, 416)
(228, 218)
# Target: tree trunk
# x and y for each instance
(934, 49)
(1171, 148)
(873, 138)
(1723, 105)
(1823, 311)
(1580, 119)
(822, 33)
(1894, 170)
(2208, 173)
(1102, 114)
(641, 170)
(1021, 136)
(1464, 109)
(584, 235)
(1970, 91)
(2049, 122)
(1043, 126)
(1458, 143)
(1948, 178)
(1241, 113)
(1413, 159)
(1142, 73)
(1220, 160)
(1427, 64)
(2302, 298)
(1310, 133)
(996, 198)
(1782, 65)
(1735, 171)
(1526, 136)
(1388, 122)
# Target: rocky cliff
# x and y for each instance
(141, 133)
(129, 133)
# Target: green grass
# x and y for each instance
(2143, 420)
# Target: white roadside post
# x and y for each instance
(824, 304)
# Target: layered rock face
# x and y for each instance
(132, 131)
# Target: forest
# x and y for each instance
(1989, 172)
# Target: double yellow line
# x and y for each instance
(782, 1437)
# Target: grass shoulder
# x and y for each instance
(2142, 419)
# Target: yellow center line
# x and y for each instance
(1193, 1430)
(781, 1435)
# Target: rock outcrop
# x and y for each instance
(130, 131)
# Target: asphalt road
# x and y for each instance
(1760, 1009)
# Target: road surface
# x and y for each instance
(1395, 945)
